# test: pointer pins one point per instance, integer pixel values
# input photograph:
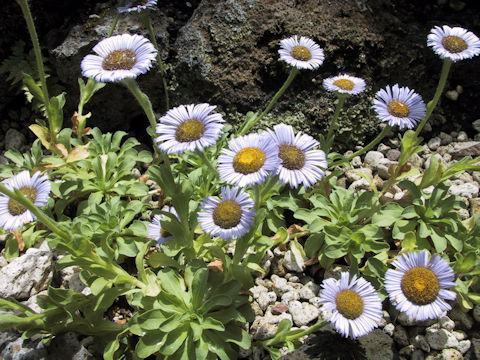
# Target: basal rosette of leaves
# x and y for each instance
(197, 316)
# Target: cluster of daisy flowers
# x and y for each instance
(418, 287)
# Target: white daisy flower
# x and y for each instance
(248, 160)
(300, 164)
(344, 84)
(155, 231)
(138, 6)
(229, 217)
(454, 43)
(354, 304)
(399, 106)
(418, 285)
(189, 127)
(119, 57)
(301, 53)
(14, 215)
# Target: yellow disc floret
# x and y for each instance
(398, 108)
(292, 157)
(301, 53)
(227, 214)
(454, 44)
(190, 130)
(420, 285)
(344, 84)
(249, 160)
(15, 208)
(349, 304)
(119, 60)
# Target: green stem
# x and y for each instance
(256, 194)
(308, 331)
(207, 161)
(256, 119)
(161, 67)
(333, 123)
(142, 99)
(27, 203)
(438, 92)
(114, 24)
(374, 142)
(36, 48)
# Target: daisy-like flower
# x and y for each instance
(155, 230)
(418, 285)
(37, 187)
(344, 84)
(300, 164)
(454, 43)
(138, 6)
(229, 217)
(399, 106)
(354, 304)
(190, 127)
(119, 57)
(248, 160)
(301, 53)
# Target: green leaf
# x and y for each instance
(11, 248)
(173, 283)
(199, 287)
(174, 340)
(388, 215)
(161, 260)
(33, 88)
(150, 343)
(409, 242)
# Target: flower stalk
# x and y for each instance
(438, 92)
(161, 68)
(341, 101)
(254, 120)
(142, 99)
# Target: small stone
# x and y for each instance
(14, 139)
(302, 313)
(400, 336)
(417, 355)
(446, 323)
(355, 174)
(265, 299)
(290, 296)
(446, 138)
(476, 125)
(459, 335)
(294, 263)
(451, 354)
(280, 285)
(356, 162)
(452, 95)
(416, 161)
(262, 329)
(389, 329)
(256, 309)
(462, 136)
(467, 190)
(279, 308)
(372, 158)
(439, 339)
(256, 291)
(464, 346)
(26, 275)
(406, 351)
(434, 143)
(476, 313)
(309, 290)
(361, 184)
(383, 148)
(420, 342)
(393, 154)
(315, 301)
(469, 148)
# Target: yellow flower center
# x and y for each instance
(454, 44)
(292, 157)
(420, 285)
(249, 160)
(190, 130)
(119, 60)
(349, 304)
(398, 108)
(227, 214)
(344, 84)
(301, 53)
(15, 208)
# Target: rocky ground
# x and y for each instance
(284, 292)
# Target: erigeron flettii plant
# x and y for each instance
(188, 296)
